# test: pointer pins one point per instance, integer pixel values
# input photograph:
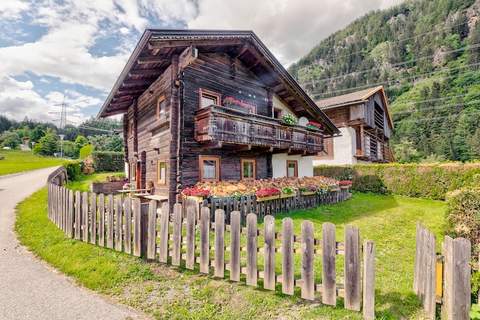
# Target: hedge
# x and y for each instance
(431, 181)
(108, 161)
(74, 169)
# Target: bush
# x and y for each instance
(431, 181)
(74, 169)
(463, 215)
(108, 161)
(86, 151)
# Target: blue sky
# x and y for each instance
(72, 50)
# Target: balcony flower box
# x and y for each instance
(345, 184)
(308, 193)
(195, 193)
(262, 199)
(287, 192)
(266, 194)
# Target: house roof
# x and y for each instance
(355, 98)
(152, 55)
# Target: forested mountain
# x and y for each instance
(426, 53)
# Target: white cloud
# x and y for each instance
(11, 9)
(290, 28)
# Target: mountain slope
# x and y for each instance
(427, 55)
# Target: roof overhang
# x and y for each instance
(152, 55)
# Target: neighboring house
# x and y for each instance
(365, 125)
(205, 106)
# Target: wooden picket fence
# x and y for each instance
(443, 278)
(246, 204)
(247, 253)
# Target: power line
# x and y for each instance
(398, 80)
(433, 118)
(400, 40)
(473, 46)
(444, 106)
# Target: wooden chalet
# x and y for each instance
(365, 125)
(206, 105)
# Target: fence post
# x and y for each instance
(252, 249)
(205, 240)
(101, 220)
(219, 243)
(352, 269)
(429, 301)
(190, 236)
(369, 280)
(85, 216)
(137, 228)
(329, 248)
(457, 300)
(177, 234)
(164, 224)
(71, 212)
(128, 225)
(235, 246)
(308, 285)
(288, 281)
(418, 255)
(152, 230)
(269, 253)
(110, 214)
(78, 215)
(93, 218)
(118, 223)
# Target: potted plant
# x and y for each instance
(308, 190)
(313, 126)
(287, 192)
(196, 193)
(266, 194)
(289, 119)
(345, 184)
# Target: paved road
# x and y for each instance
(29, 289)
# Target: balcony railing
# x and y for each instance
(374, 149)
(228, 126)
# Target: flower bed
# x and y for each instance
(264, 188)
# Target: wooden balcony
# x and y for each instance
(223, 126)
(374, 149)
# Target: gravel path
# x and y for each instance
(29, 289)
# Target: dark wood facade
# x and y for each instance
(192, 94)
(366, 112)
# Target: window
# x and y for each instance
(248, 169)
(209, 168)
(161, 107)
(161, 172)
(292, 168)
(133, 171)
(208, 98)
(277, 113)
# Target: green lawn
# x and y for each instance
(169, 293)
(84, 181)
(18, 161)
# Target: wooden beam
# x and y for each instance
(151, 59)
(135, 83)
(145, 72)
(162, 44)
(130, 91)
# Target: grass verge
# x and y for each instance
(19, 161)
(169, 293)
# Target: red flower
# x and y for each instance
(314, 124)
(267, 192)
(345, 183)
(196, 192)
